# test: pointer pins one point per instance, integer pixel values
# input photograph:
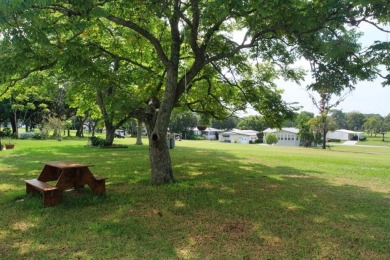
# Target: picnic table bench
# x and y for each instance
(68, 175)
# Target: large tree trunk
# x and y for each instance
(160, 160)
(110, 134)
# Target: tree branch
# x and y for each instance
(144, 33)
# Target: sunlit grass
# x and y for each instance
(230, 201)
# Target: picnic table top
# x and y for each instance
(65, 164)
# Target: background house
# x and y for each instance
(209, 133)
(286, 136)
(238, 136)
(344, 135)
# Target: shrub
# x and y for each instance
(27, 135)
(32, 135)
(271, 139)
(40, 136)
(97, 141)
(334, 140)
(6, 131)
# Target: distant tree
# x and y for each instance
(271, 139)
(373, 124)
(337, 62)
(320, 128)
(183, 122)
(385, 127)
(252, 123)
(292, 122)
(355, 121)
(387, 118)
(229, 123)
(139, 132)
(338, 117)
(305, 134)
(55, 124)
(376, 124)
(131, 127)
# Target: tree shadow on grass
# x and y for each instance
(222, 206)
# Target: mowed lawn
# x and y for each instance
(230, 201)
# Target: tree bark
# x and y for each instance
(79, 123)
(110, 134)
(160, 160)
(139, 133)
(13, 120)
(324, 139)
(161, 167)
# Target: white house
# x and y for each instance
(344, 135)
(209, 133)
(238, 136)
(287, 136)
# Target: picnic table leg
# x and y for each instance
(97, 185)
(51, 198)
(66, 180)
(49, 173)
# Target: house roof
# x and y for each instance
(242, 132)
(208, 129)
(285, 129)
(348, 131)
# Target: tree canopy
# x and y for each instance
(143, 58)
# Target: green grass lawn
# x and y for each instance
(230, 201)
(377, 140)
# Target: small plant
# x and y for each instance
(271, 139)
(7, 131)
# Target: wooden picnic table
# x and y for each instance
(68, 175)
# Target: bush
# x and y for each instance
(271, 139)
(97, 141)
(40, 136)
(334, 140)
(32, 135)
(6, 132)
(27, 135)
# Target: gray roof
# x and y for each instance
(242, 132)
(285, 129)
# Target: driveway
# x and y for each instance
(350, 142)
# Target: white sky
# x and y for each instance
(367, 98)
